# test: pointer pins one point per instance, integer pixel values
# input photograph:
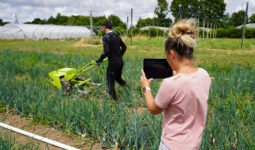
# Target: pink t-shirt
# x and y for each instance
(184, 100)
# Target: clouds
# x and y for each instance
(27, 10)
(237, 5)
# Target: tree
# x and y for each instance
(184, 9)
(237, 18)
(51, 20)
(204, 10)
(1, 22)
(116, 21)
(252, 18)
(225, 21)
(212, 11)
(162, 11)
(61, 20)
(79, 20)
(98, 21)
(146, 22)
(38, 21)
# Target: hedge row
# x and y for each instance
(233, 32)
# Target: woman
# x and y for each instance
(182, 97)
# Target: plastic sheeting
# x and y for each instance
(40, 32)
(251, 25)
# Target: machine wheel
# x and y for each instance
(66, 86)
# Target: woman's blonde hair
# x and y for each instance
(182, 38)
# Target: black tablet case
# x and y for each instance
(156, 68)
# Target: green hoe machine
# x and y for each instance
(69, 78)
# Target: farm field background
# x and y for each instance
(25, 87)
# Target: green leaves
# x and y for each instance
(127, 123)
(204, 10)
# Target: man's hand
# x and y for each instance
(97, 63)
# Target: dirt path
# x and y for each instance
(27, 124)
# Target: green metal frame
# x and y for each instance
(70, 75)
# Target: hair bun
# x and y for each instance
(186, 31)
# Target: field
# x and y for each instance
(25, 89)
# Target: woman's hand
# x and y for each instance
(153, 108)
(144, 81)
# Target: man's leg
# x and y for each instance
(118, 77)
(110, 84)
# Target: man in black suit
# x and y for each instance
(114, 49)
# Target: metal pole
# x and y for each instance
(91, 28)
(16, 21)
(140, 27)
(37, 137)
(244, 24)
(127, 26)
(216, 31)
(198, 29)
(180, 16)
(211, 34)
(208, 29)
(131, 24)
(203, 29)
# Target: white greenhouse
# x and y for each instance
(40, 32)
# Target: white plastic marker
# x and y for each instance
(40, 138)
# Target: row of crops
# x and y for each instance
(25, 86)
(8, 142)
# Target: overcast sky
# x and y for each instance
(27, 10)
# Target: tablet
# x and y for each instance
(156, 68)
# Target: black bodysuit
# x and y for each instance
(114, 49)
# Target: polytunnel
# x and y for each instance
(39, 32)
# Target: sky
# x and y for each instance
(27, 10)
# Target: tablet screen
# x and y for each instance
(156, 68)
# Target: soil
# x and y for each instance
(28, 125)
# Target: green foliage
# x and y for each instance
(232, 32)
(8, 142)
(80, 20)
(212, 11)
(95, 115)
(209, 11)
(250, 33)
(184, 9)
(161, 11)
(237, 18)
(119, 30)
(25, 87)
(252, 18)
(116, 21)
(38, 21)
(2, 23)
(98, 21)
(146, 22)
(225, 21)
(152, 32)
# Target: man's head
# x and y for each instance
(107, 25)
